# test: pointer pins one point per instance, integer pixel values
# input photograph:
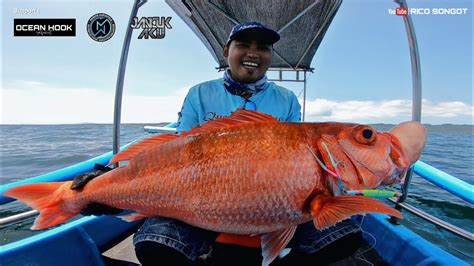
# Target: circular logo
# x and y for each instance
(101, 27)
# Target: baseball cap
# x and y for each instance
(265, 33)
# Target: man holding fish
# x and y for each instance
(236, 180)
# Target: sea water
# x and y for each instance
(31, 150)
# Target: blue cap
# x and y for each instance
(265, 34)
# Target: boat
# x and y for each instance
(105, 240)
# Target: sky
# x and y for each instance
(362, 67)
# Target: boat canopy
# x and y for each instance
(301, 25)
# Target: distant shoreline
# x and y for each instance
(165, 123)
(448, 128)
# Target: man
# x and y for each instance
(163, 241)
(244, 85)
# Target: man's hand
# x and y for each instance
(80, 181)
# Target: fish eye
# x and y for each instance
(367, 133)
(364, 134)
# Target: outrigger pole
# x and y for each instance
(121, 77)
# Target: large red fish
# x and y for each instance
(244, 174)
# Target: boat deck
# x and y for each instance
(123, 254)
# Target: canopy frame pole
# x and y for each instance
(416, 98)
(304, 98)
(121, 77)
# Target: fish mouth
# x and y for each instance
(410, 138)
(398, 176)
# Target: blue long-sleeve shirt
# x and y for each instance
(210, 99)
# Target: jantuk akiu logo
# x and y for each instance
(101, 27)
(153, 27)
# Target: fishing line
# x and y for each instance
(369, 234)
(364, 260)
(334, 173)
(321, 163)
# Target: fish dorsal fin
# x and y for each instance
(328, 210)
(237, 118)
(273, 243)
(142, 145)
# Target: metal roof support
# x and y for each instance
(297, 74)
(304, 80)
(416, 98)
(121, 77)
(211, 20)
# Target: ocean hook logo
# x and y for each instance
(51, 27)
(101, 27)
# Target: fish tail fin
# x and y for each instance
(44, 198)
(327, 210)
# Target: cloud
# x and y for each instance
(31, 102)
(447, 109)
(386, 111)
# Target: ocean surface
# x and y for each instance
(31, 150)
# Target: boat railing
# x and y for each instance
(64, 174)
(447, 182)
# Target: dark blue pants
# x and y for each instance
(193, 242)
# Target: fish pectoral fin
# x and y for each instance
(328, 210)
(133, 217)
(273, 243)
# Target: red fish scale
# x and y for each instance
(249, 179)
